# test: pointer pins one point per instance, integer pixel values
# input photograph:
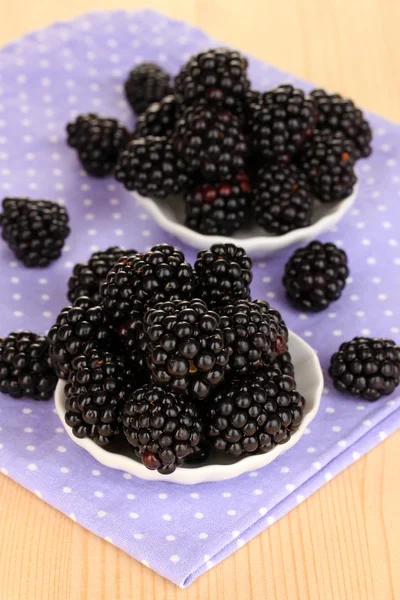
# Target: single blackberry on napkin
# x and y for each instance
(340, 114)
(223, 275)
(282, 198)
(35, 230)
(281, 123)
(87, 277)
(25, 370)
(216, 78)
(186, 346)
(316, 275)
(146, 83)
(211, 144)
(366, 367)
(251, 416)
(158, 120)
(99, 141)
(163, 427)
(150, 167)
(78, 329)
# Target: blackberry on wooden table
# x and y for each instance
(147, 83)
(158, 120)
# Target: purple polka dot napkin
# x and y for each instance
(46, 79)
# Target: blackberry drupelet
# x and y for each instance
(328, 162)
(216, 78)
(24, 366)
(219, 208)
(223, 275)
(316, 275)
(132, 337)
(282, 199)
(366, 367)
(149, 166)
(210, 143)
(281, 123)
(99, 141)
(163, 427)
(186, 346)
(340, 114)
(87, 277)
(285, 364)
(251, 416)
(35, 230)
(156, 276)
(78, 329)
(147, 83)
(94, 395)
(158, 120)
(254, 335)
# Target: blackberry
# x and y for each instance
(132, 337)
(200, 453)
(254, 335)
(158, 120)
(285, 364)
(24, 366)
(282, 122)
(219, 208)
(187, 350)
(163, 427)
(328, 162)
(253, 97)
(147, 83)
(210, 144)
(149, 166)
(94, 395)
(35, 230)
(87, 277)
(251, 417)
(366, 367)
(316, 275)
(340, 114)
(78, 329)
(98, 141)
(282, 199)
(223, 275)
(215, 78)
(148, 278)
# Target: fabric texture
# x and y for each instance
(46, 79)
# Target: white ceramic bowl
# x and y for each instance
(218, 467)
(169, 214)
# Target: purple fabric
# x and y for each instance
(46, 79)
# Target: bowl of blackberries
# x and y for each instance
(213, 159)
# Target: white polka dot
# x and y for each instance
(290, 487)
(96, 473)
(337, 332)
(131, 496)
(170, 538)
(367, 423)
(3, 471)
(342, 443)
(38, 494)
(262, 511)
(360, 407)
(226, 494)
(133, 515)
(330, 410)
(308, 333)
(67, 490)
(127, 476)
(99, 494)
(328, 476)
(257, 492)
(108, 539)
(32, 467)
(199, 515)
(194, 495)
(27, 411)
(382, 435)
(317, 465)
(285, 469)
(101, 513)
(72, 517)
(203, 536)
(28, 429)
(61, 449)
(145, 563)
(356, 455)
(167, 517)
(311, 450)
(231, 512)
(253, 474)
(299, 498)
(332, 315)
(64, 470)
(174, 558)
(138, 536)
(31, 448)
(162, 496)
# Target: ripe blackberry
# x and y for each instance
(149, 166)
(78, 329)
(285, 364)
(328, 162)
(94, 395)
(210, 143)
(216, 78)
(98, 141)
(219, 208)
(366, 367)
(340, 114)
(187, 350)
(156, 276)
(251, 417)
(316, 275)
(158, 120)
(223, 275)
(132, 337)
(163, 427)
(146, 83)
(282, 199)
(24, 366)
(35, 230)
(254, 334)
(282, 122)
(87, 277)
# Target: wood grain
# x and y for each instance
(343, 542)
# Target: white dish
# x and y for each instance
(310, 383)
(169, 214)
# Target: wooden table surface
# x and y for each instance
(341, 543)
